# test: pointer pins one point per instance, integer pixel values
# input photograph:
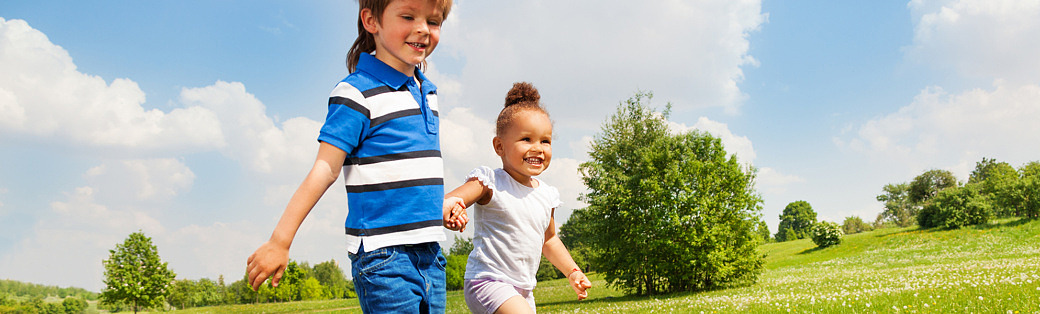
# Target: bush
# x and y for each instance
(955, 208)
(826, 234)
(455, 271)
(854, 224)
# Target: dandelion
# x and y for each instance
(980, 298)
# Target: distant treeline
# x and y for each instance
(29, 290)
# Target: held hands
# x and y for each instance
(580, 283)
(268, 260)
(455, 214)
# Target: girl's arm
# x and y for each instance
(462, 197)
(557, 254)
(271, 258)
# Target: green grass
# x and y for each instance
(986, 269)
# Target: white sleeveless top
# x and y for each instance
(510, 230)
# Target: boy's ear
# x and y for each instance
(497, 143)
(369, 20)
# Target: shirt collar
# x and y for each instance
(388, 75)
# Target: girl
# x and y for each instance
(382, 132)
(514, 213)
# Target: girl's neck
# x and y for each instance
(527, 181)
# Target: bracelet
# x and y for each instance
(573, 270)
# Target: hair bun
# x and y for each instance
(522, 92)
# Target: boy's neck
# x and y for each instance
(404, 68)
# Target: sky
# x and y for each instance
(194, 121)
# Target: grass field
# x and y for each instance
(986, 269)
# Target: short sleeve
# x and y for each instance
(485, 175)
(554, 197)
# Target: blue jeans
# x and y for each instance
(400, 279)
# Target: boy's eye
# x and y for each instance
(407, 17)
(434, 23)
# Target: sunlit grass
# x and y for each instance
(987, 269)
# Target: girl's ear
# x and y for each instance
(369, 20)
(497, 143)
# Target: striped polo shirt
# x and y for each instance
(393, 171)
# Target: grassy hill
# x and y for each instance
(986, 269)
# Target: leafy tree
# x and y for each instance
(311, 289)
(928, 184)
(798, 217)
(455, 271)
(854, 224)
(826, 233)
(135, 275)
(74, 305)
(955, 208)
(331, 276)
(462, 246)
(576, 236)
(763, 231)
(898, 208)
(546, 271)
(668, 212)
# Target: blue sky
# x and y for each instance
(194, 121)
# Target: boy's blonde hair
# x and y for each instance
(366, 42)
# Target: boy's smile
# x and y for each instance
(407, 33)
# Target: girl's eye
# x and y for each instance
(526, 139)
(434, 23)
(406, 17)
(546, 142)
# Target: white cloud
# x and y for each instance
(43, 95)
(993, 39)
(140, 180)
(585, 56)
(251, 135)
(739, 145)
(953, 131)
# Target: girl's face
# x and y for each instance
(526, 146)
(407, 32)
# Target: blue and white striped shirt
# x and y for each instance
(394, 173)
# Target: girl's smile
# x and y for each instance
(526, 146)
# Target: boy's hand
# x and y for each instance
(269, 260)
(580, 283)
(455, 214)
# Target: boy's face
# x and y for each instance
(407, 32)
(526, 146)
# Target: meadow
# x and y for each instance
(991, 268)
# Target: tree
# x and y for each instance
(799, 218)
(898, 208)
(763, 231)
(929, 183)
(668, 212)
(854, 224)
(331, 276)
(135, 275)
(954, 208)
(462, 246)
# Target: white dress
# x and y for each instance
(509, 230)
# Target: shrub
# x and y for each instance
(826, 234)
(955, 208)
(854, 224)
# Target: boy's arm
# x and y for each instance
(557, 254)
(271, 258)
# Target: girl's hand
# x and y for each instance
(268, 261)
(580, 283)
(455, 214)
